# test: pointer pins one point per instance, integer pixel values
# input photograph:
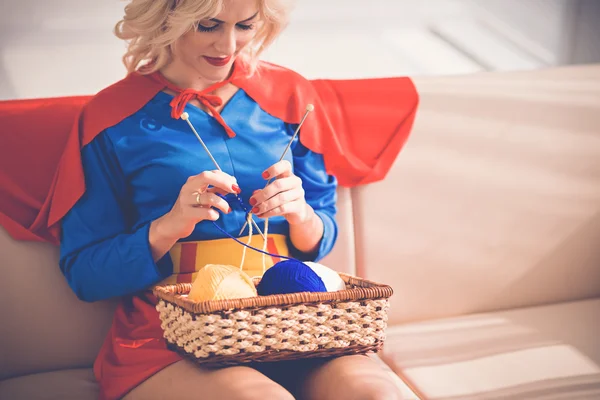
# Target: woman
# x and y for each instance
(152, 193)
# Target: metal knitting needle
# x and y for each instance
(186, 117)
(309, 109)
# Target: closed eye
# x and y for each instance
(203, 28)
(245, 27)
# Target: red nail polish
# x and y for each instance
(236, 189)
(255, 210)
(265, 175)
(228, 210)
(253, 201)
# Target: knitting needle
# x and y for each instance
(309, 109)
(186, 117)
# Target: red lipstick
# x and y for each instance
(217, 62)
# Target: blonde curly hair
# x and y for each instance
(150, 27)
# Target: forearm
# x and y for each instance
(159, 239)
(113, 267)
(306, 236)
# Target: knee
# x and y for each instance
(272, 392)
(387, 391)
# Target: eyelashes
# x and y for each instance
(202, 28)
(242, 27)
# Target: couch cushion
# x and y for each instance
(76, 384)
(495, 200)
(548, 352)
(43, 325)
(80, 384)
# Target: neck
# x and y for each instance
(185, 78)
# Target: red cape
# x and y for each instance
(359, 126)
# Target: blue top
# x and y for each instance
(135, 170)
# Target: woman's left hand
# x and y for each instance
(282, 197)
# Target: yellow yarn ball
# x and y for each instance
(221, 282)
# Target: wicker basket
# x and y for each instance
(278, 327)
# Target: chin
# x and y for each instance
(214, 73)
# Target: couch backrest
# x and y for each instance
(495, 201)
(342, 257)
(44, 326)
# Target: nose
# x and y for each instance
(226, 43)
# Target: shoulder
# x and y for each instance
(107, 96)
(283, 77)
(278, 71)
(116, 102)
(280, 91)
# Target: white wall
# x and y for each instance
(556, 32)
(66, 47)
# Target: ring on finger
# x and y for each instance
(197, 195)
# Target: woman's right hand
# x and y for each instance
(197, 201)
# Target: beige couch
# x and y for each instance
(488, 229)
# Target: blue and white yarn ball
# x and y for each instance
(292, 276)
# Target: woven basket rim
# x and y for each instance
(220, 361)
(364, 289)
